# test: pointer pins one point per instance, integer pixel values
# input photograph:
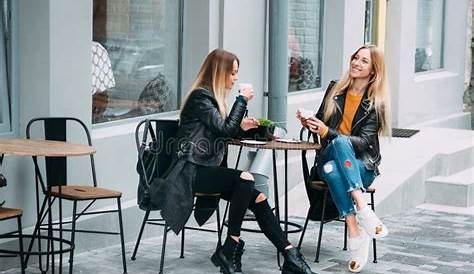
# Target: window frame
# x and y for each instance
(10, 106)
(133, 120)
(320, 53)
(372, 22)
(442, 47)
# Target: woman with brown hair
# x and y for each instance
(205, 126)
(354, 112)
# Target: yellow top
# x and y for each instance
(350, 107)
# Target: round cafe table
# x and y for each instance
(44, 148)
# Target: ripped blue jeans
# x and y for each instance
(343, 173)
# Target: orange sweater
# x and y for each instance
(350, 107)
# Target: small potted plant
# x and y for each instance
(264, 131)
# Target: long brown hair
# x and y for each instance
(377, 90)
(213, 75)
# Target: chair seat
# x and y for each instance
(78, 192)
(7, 213)
(322, 186)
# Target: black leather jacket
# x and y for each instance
(201, 140)
(365, 125)
(203, 133)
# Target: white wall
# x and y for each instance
(244, 34)
(418, 98)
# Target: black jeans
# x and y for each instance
(242, 195)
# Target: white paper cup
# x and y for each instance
(242, 86)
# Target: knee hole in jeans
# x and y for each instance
(246, 176)
(260, 198)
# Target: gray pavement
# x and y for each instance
(420, 241)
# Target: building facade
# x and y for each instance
(155, 48)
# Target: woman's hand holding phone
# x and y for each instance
(315, 125)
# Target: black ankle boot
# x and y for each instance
(236, 258)
(228, 257)
(295, 263)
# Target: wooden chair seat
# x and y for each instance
(82, 192)
(322, 186)
(7, 213)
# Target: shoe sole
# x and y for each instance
(217, 262)
(357, 270)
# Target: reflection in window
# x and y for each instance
(429, 35)
(304, 43)
(5, 91)
(369, 22)
(140, 42)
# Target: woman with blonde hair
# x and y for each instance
(200, 166)
(354, 112)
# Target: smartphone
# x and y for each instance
(305, 113)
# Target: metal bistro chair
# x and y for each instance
(159, 136)
(322, 208)
(10, 213)
(55, 128)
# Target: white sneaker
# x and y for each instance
(371, 223)
(359, 249)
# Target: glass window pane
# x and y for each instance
(5, 99)
(429, 35)
(136, 57)
(304, 44)
(369, 22)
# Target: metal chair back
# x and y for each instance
(55, 129)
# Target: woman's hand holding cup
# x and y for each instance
(246, 90)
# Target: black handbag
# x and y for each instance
(147, 167)
(315, 196)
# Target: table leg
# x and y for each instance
(286, 192)
(275, 194)
(5, 181)
(60, 231)
(275, 187)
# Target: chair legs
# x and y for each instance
(142, 227)
(73, 236)
(321, 225)
(374, 243)
(345, 236)
(163, 248)
(122, 241)
(183, 232)
(165, 235)
(304, 227)
(20, 245)
(318, 247)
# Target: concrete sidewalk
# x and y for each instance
(420, 241)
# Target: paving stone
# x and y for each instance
(420, 242)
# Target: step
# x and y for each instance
(448, 209)
(453, 190)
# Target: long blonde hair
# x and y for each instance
(377, 90)
(213, 75)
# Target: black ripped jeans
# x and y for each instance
(242, 195)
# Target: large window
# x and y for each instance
(429, 35)
(304, 43)
(136, 57)
(5, 68)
